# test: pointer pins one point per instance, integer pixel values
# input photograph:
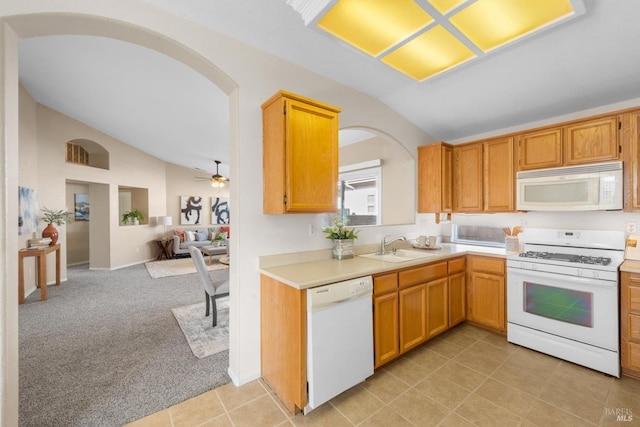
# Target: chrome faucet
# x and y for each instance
(384, 243)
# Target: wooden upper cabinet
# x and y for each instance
(300, 155)
(540, 149)
(499, 175)
(632, 160)
(435, 162)
(592, 141)
(467, 178)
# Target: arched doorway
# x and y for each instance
(25, 26)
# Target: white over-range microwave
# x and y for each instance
(572, 188)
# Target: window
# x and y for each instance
(359, 192)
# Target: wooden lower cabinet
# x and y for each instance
(283, 341)
(414, 304)
(486, 293)
(457, 298)
(385, 328)
(437, 307)
(413, 317)
(630, 324)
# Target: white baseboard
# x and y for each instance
(238, 382)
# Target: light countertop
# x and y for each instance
(309, 274)
(630, 266)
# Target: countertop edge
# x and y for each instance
(335, 271)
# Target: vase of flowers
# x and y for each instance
(343, 239)
(54, 217)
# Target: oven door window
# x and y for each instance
(565, 305)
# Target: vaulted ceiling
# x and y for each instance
(151, 102)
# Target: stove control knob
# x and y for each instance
(579, 273)
(595, 275)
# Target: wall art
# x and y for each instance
(27, 211)
(81, 206)
(190, 210)
(219, 210)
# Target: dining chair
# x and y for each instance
(212, 290)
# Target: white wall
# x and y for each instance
(249, 77)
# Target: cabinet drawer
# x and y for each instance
(487, 264)
(634, 327)
(424, 274)
(634, 355)
(456, 265)
(634, 298)
(385, 283)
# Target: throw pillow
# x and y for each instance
(180, 234)
(190, 236)
(201, 236)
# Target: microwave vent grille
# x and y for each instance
(572, 170)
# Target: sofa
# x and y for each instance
(197, 237)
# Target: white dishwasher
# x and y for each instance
(339, 338)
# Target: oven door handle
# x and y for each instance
(577, 280)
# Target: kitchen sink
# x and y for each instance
(401, 255)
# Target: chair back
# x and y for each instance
(203, 273)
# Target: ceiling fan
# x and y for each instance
(216, 179)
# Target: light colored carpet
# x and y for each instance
(178, 267)
(204, 339)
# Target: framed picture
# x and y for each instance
(27, 211)
(219, 210)
(190, 210)
(81, 206)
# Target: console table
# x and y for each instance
(41, 266)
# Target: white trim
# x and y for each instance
(361, 165)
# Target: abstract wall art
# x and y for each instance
(219, 210)
(190, 210)
(27, 210)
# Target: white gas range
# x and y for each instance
(562, 296)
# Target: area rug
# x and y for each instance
(178, 267)
(203, 338)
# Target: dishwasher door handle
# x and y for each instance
(324, 305)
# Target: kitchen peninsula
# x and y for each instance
(284, 304)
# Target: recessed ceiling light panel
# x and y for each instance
(431, 53)
(374, 26)
(492, 23)
(445, 6)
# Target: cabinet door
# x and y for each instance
(540, 149)
(467, 178)
(634, 144)
(434, 178)
(437, 307)
(499, 176)
(413, 317)
(592, 141)
(385, 328)
(486, 300)
(457, 299)
(311, 158)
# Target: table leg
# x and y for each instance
(58, 267)
(20, 280)
(42, 276)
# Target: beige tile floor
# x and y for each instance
(466, 377)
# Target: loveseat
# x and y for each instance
(183, 239)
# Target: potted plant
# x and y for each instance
(343, 239)
(218, 239)
(51, 217)
(132, 217)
